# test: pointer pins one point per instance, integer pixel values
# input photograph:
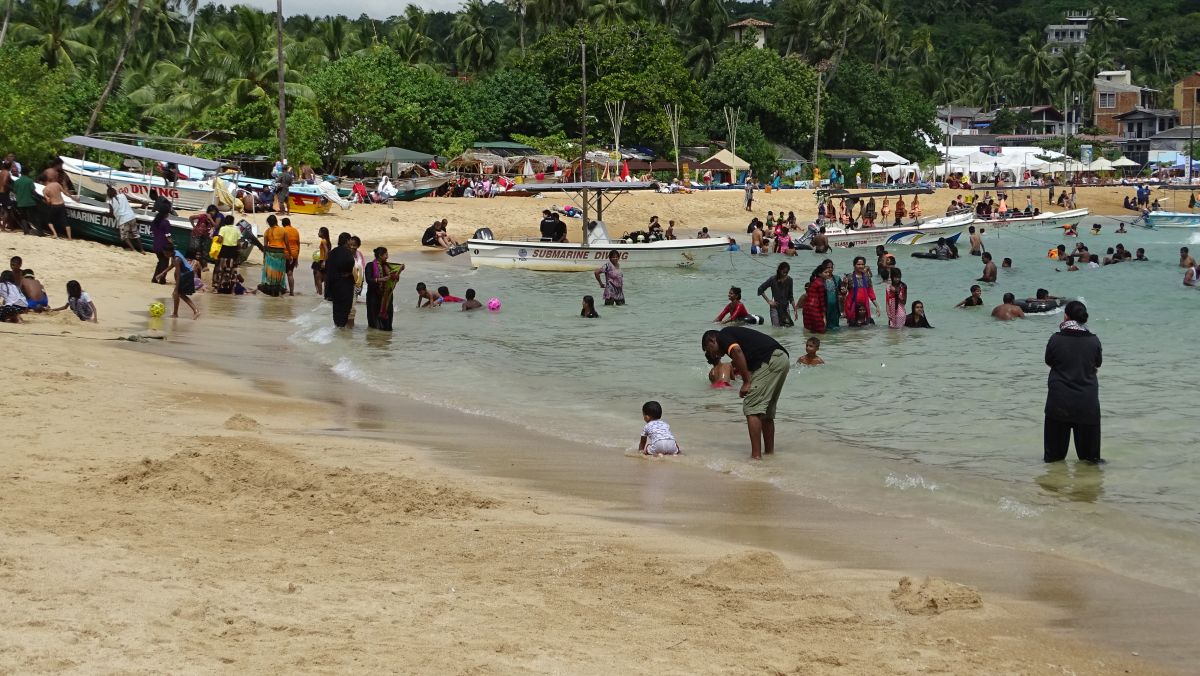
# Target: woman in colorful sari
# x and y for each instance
(859, 290)
(274, 273)
(381, 285)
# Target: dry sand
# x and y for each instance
(159, 517)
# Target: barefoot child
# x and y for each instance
(79, 302)
(810, 357)
(656, 435)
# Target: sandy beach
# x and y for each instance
(162, 516)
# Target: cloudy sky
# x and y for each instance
(378, 9)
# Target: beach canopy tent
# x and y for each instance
(1100, 164)
(1123, 162)
(729, 160)
(885, 158)
(391, 156)
(127, 150)
(504, 148)
(479, 163)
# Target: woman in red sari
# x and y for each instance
(815, 299)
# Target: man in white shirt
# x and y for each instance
(127, 225)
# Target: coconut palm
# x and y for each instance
(613, 12)
(7, 15)
(1034, 64)
(518, 7)
(134, 20)
(409, 44)
(478, 43)
(1105, 20)
(1070, 75)
(798, 21)
(49, 27)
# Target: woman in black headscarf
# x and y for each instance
(1074, 356)
(339, 280)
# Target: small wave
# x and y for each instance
(1018, 509)
(906, 482)
(321, 336)
(1195, 238)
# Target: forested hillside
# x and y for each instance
(436, 81)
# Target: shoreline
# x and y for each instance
(695, 502)
(222, 553)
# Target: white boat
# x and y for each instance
(1172, 219)
(1048, 219)
(93, 180)
(914, 234)
(548, 256)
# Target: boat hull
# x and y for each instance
(187, 195)
(923, 234)
(310, 205)
(576, 258)
(1172, 219)
(1051, 220)
(93, 222)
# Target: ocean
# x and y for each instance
(944, 425)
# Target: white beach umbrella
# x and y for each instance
(1100, 164)
(1124, 162)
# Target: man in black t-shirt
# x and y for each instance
(763, 365)
(547, 226)
(560, 230)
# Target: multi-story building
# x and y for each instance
(1187, 99)
(1115, 94)
(1073, 32)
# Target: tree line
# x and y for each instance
(439, 81)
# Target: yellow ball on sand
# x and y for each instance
(157, 309)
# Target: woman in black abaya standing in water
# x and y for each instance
(339, 280)
(1073, 397)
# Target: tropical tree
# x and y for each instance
(1035, 66)
(1070, 76)
(49, 26)
(518, 7)
(8, 8)
(478, 42)
(611, 12)
(116, 71)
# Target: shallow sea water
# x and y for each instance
(942, 424)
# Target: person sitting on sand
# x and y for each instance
(973, 300)
(436, 236)
(35, 293)
(470, 303)
(1008, 309)
(79, 302)
(810, 357)
(425, 297)
(657, 438)
(14, 303)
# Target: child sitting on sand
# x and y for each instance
(656, 435)
(810, 357)
(79, 302)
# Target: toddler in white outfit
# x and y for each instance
(656, 435)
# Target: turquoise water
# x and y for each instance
(943, 424)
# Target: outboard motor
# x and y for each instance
(483, 233)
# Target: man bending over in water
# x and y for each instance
(1008, 310)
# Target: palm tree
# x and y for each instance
(797, 22)
(478, 44)
(1070, 75)
(1105, 20)
(518, 7)
(116, 71)
(279, 67)
(841, 19)
(1034, 64)
(613, 12)
(409, 44)
(701, 57)
(50, 28)
(335, 40)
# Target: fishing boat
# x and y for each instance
(90, 220)
(915, 233)
(92, 179)
(1018, 219)
(549, 256)
(1171, 219)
